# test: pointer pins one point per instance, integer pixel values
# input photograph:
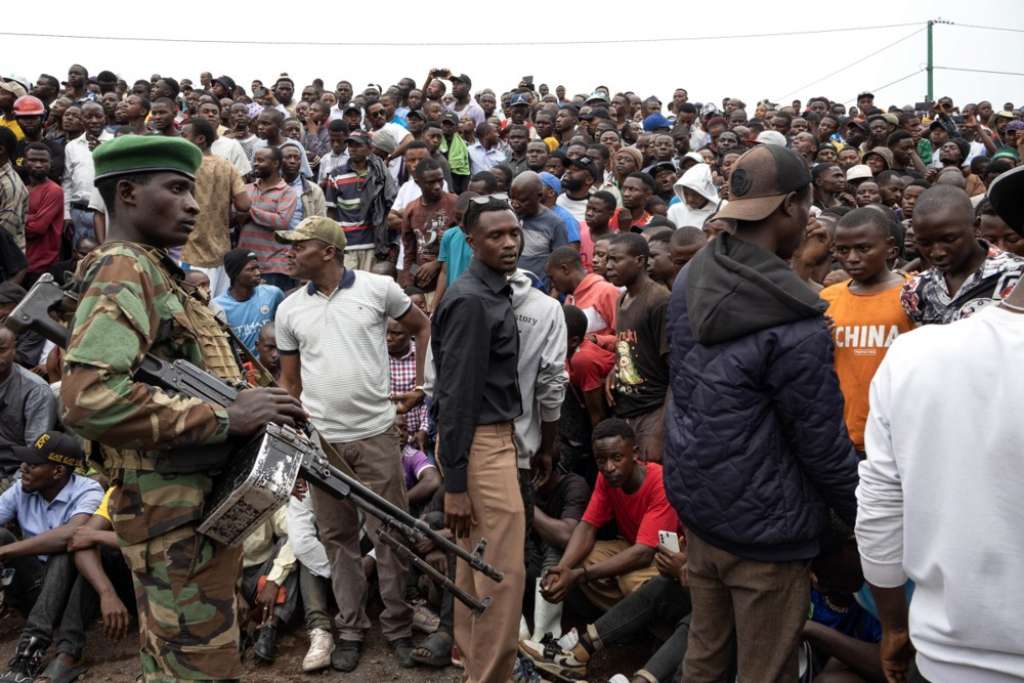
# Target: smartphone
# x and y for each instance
(669, 539)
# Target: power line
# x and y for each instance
(883, 87)
(553, 43)
(853, 63)
(980, 71)
(988, 28)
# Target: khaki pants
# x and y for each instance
(604, 593)
(762, 605)
(359, 259)
(488, 641)
(376, 461)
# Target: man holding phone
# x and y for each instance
(631, 492)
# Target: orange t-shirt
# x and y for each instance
(865, 327)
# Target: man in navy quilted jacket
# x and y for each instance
(756, 451)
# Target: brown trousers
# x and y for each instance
(762, 605)
(604, 593)
(488, 641)
(650, 433)
(376, 461)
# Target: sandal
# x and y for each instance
(59, 672)
(424, 620)
(435, 650)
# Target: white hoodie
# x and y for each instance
(542, 375)
(698, 179)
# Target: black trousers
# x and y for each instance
(39, 590)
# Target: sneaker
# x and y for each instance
(403, 648)
(346, 655)
(23, 667)
(524, 671)
(548, 657)
(321, 646)
(618, 678)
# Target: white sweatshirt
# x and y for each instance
(941, 494)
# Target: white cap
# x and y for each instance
(859, 172)
(771, 137)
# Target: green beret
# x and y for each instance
(131, 154)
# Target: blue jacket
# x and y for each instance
(756, 448)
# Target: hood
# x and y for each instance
(521, 282)
(736, 288)
(698, 179)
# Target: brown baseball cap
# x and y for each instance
(760, 180)
(314, 228)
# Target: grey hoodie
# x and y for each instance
(542, 374)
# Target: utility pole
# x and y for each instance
(930, 68)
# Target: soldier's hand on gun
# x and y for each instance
(458, 514)
(254, 408)
(115, 616)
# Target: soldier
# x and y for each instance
(133, 300)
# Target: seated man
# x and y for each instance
(314, 571)
(103, 587)
(559, 500)
(402, 364)
(28, 407)
(247, 305)
(588, 365)
(422, 480)
(49, 505)
(664, 600)
(29, 343)
(630, 492)
(268, 565)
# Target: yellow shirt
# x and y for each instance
(12, 124)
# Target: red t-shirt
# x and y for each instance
(639, 516)
(589, 366)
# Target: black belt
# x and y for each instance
(82, 206)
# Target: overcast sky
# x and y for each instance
(751, 68)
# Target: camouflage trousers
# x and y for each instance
(188, 617)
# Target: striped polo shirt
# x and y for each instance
(344, 190)
(271, 210)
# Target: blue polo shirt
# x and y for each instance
(80, 496)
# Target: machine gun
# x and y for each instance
(260, 473)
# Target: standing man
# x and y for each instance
(485, 153)
(13, 195)
(185, 582)
(44, 223)
(219, 187)
(476, 348)
(272, 203)
(332, 341)
(542, 230)
(916, 456)
(247, 305)
(464, 105)
(640, 379)
(756, 416)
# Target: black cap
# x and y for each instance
(52, 447)
(1006, 193)
(451, 117)
(417, 113)
(587, 164)
(661, 166)
(462, 78)
(360, 137)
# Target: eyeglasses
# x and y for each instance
(375, 114)
(485, 199)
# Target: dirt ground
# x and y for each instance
(117, 661)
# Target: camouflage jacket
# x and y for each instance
(133, 301)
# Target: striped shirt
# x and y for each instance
(344, 191)
(13, 204)
(271, 210)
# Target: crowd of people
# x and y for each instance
(727, 376)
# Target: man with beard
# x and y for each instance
(30, 113)
(44, 222)
(272, 205)
(577, 181)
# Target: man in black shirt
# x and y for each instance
(476, 348)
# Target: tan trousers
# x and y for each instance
(488, 641)
(762, 605)
(376, 461)
(650, 433)
(604, 593)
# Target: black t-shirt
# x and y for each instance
(568, 500)
(641, 369)
(12, 259)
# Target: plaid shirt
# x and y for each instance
(403, 380)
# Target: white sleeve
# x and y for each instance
(303, 539)
(552, 377)
(880, 492)
(286, 340)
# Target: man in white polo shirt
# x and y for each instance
(331, 336)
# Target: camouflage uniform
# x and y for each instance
(133, 301)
